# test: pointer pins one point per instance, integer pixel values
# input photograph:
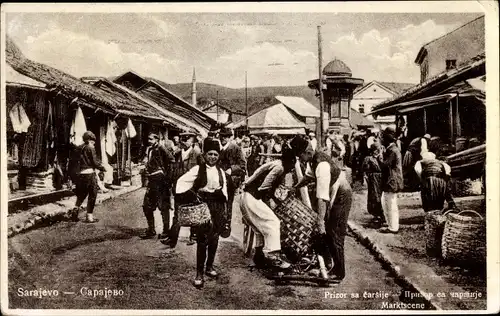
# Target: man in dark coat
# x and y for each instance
(233, 162)
(159, 165)
(392, 180)
(255, 157)
(86, 184)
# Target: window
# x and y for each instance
(424, 70)
(344, 108)
(361, 108)
(335, 108)
(451, 64)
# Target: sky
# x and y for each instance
(275, 49)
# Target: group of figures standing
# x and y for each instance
(422, 168)
(214, 169)
(213, 173)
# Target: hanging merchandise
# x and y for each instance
(102, 133)
(78, 128)
(108, 174)
(49, 128)
(34, 145)
(58, 175)
(130, 130)
(111, 138)
(19, 118)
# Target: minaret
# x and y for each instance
(193, 89)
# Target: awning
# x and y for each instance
(357, 120)
(478, 83)
(285, 131)
(276, 117)
(410, 106)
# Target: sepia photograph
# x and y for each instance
(300, 158)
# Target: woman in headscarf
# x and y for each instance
(434, 175)
(416, 148)
(373, 174)
(208, 182)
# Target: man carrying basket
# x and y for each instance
(206, 183)
(257, 191)
(334, 196)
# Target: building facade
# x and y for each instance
(448, 51)
(376, 92)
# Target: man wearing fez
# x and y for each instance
(191, 156)
(334, 199)
(158, 170)
(86, 185)
(233, 162)
(254, 160)
(392, 180)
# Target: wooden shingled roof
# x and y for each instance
(109, 100)
(127, 102)
(171, 102)
(54, 78)
(169, 118)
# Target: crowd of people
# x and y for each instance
(213, 170)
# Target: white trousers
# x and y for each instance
(263, 221)
(391, 210)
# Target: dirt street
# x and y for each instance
(107, 266)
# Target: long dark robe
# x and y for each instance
(412, 155)
(434, 185)
(373, 171)
(336, 227)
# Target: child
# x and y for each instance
(373, 174)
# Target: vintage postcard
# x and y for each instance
(249, 158)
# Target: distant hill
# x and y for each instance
(234, 99)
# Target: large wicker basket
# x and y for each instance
(434, 227)
(464, 238)
(193, 214)
(297, 227)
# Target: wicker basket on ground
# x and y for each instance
(464, 238)
(434, 227)
(297, 227)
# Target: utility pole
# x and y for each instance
(217, 105)
(246, 102)
(320, 68)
